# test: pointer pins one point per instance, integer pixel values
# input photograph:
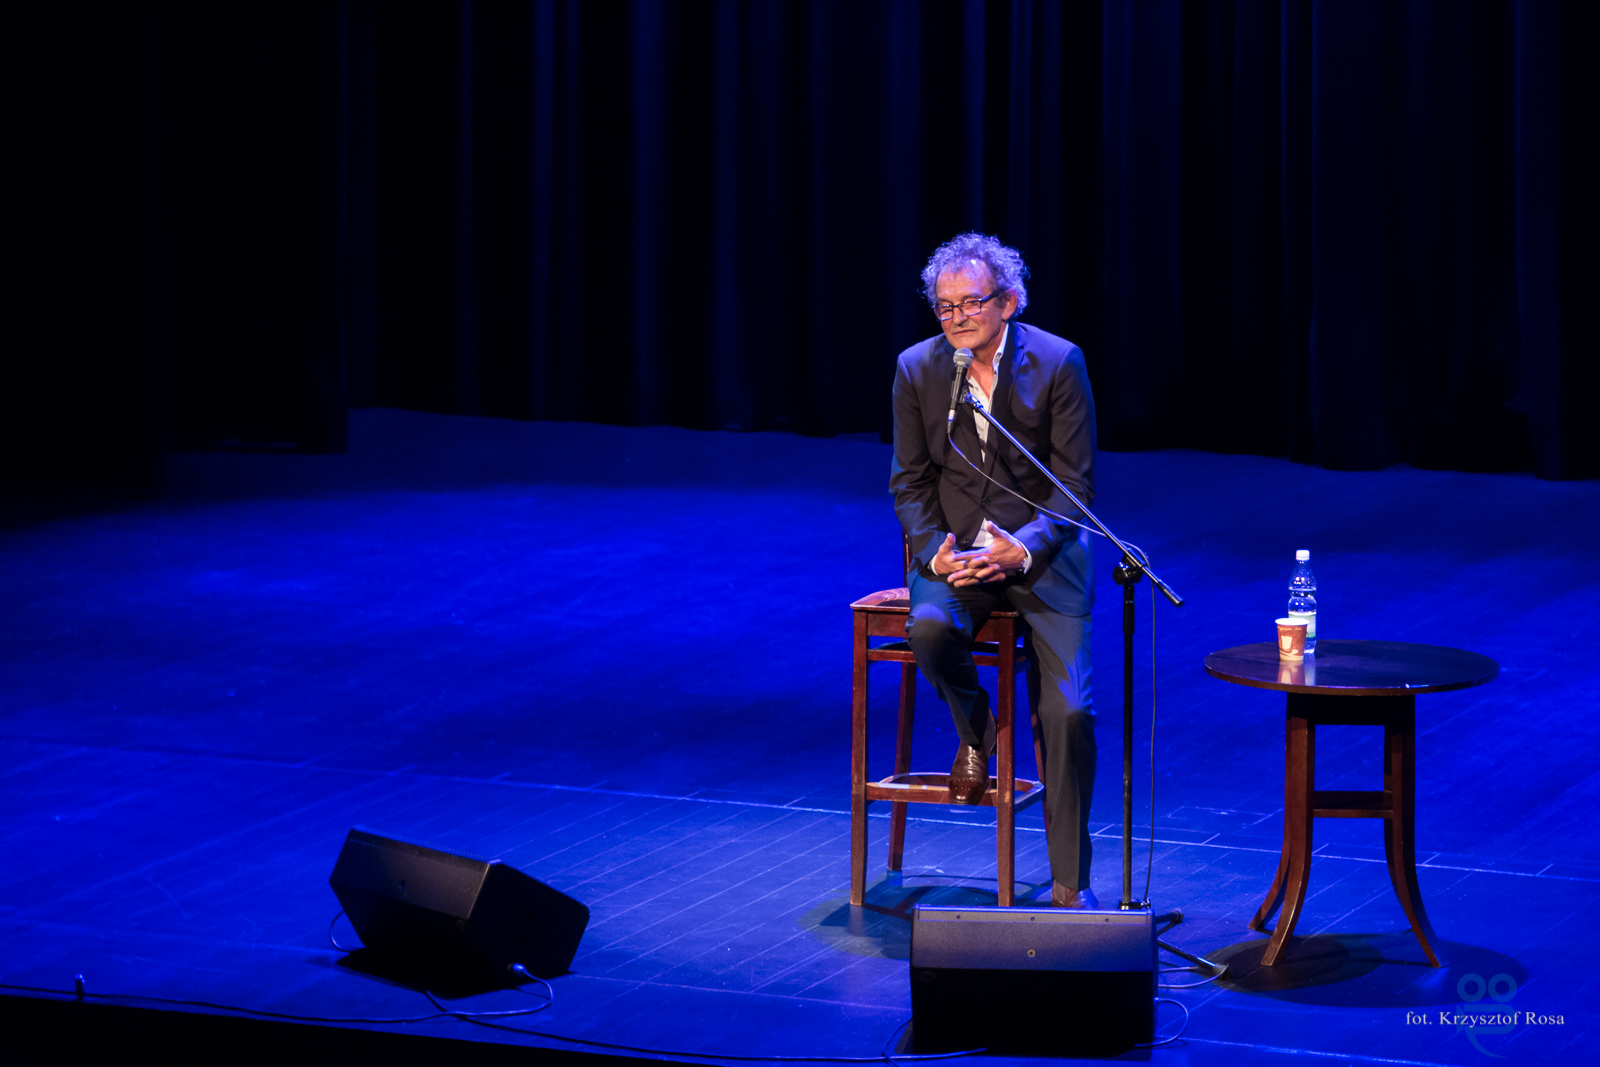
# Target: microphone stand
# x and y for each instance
(1127, 574)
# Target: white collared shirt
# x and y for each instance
(978, 391)
(985, 538)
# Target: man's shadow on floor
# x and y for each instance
(882, 925)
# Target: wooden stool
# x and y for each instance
(884, 614)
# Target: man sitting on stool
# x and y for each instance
(977, 548)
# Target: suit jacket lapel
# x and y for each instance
(965, 433)
(1000, 399)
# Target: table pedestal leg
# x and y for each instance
(1289, 885)
(1270, 905)
(1399, 831)
(1303, 804)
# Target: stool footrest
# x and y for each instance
(1351, 804)
(922, 788)
(984, 654)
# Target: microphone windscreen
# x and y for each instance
(963, 357)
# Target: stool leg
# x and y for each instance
(1399, 841)
(1300, 747)
(902, 762)
(1038, 734)
(858, 763)
(1005, 815)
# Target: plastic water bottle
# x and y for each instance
(1302, 597)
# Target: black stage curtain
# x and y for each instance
(1351, 232)
(171, 235)
(708, 214)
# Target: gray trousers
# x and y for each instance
(944, 620)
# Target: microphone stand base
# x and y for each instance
(1208, 969)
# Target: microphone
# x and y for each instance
(963, 358)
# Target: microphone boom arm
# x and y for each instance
(1129, 558)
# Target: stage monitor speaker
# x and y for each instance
(449, 913)
(1032, 981)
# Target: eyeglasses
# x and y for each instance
(968, 308)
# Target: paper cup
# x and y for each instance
(1292, 639)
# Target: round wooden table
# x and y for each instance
(1385, 676)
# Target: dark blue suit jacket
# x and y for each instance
(1043, 397)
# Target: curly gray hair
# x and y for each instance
(1004, 263)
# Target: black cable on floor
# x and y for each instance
(483, 1019)
(1181, 1029)
(82, 995)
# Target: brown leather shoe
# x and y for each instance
(1062, 897)
(969, 774)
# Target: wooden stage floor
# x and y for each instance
(505, 640)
